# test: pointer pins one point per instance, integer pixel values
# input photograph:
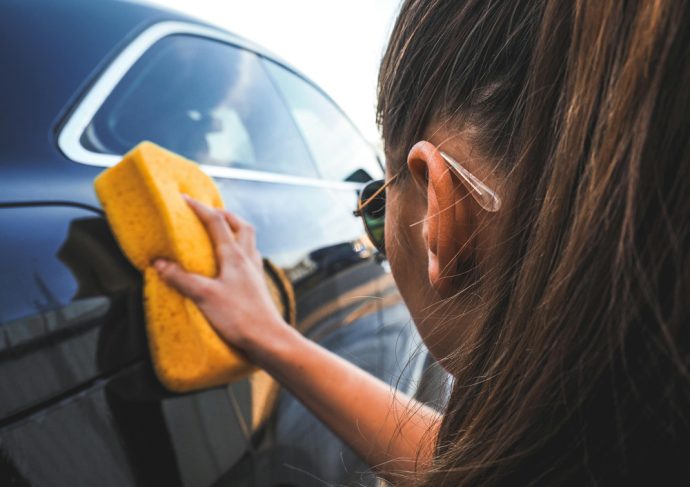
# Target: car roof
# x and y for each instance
(37, 90)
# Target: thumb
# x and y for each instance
(187, 283)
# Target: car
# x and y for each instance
(83, 82)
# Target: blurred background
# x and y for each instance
(338, 44)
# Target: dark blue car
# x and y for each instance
(82, 82)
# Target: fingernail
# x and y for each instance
(186, 196)
(160, 264)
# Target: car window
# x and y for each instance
(338, 149)
(206, 100)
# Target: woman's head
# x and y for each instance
(454, 76)
(564, 316)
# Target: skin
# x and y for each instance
(430, 227)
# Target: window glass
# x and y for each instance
(206, 100)
(338, 149)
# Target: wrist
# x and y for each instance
(273, 344)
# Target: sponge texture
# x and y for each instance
(142, 200)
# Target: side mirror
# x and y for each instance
(359, 176)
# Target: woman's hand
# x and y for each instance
(357, 406)
(237, 301)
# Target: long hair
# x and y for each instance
(578, 371)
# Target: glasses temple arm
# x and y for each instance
(358, 211)
(484, 196)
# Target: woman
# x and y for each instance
(560, 306)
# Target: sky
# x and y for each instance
(336, 43)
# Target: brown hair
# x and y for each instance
(578, 372)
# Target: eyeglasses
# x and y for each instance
(371, 203)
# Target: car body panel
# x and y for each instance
(79, 402)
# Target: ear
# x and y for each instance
(447, 228)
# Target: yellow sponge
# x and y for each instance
(142, 200)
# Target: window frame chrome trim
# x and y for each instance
(88, 106)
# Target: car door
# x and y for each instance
(80, 405)
(80, 402)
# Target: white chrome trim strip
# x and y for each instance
(68, 139)
(107, 160)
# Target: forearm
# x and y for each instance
(386, 428)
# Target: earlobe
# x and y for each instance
(447, 219)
